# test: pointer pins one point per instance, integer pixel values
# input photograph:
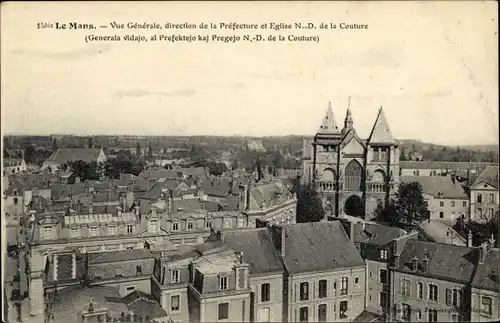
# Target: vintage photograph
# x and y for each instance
(250, 162)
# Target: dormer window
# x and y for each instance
(190, 225)
(47, 232)
(175, 226)
(74, 232)
(94, 231)
(112, 230)
(383, 254)
(223, 282)
(153, 225)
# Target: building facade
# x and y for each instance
(354, 176)
(484, 195)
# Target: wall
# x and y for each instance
(374, 286)
(486, 204)
(238, 305)
(444, 311)
(476, 313)
(450, 212)
(182, 315)
(126, 269)
(355, 296)
(275, 303)
(141, 284)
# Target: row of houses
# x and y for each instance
(312, 272)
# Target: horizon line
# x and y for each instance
(215, 136)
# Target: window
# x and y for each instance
(419, 315)
(479, 198)
(130, 229)
(480, 211)
(383, 276)
(112, 230)
(208, 224)
(420, 290)
(370, 275)
(464, 203)
(343, 285)
(175, 226)
(383, 254)
(343, 309)
(405, 287)
(382, 300)
(405, 312)
(433, 292)
(441, 215)
(47, 232)
(456, 318)
(175, 303)
(322, 313)
(304, 314)
(174, 276)
(322, 288)
(15, 201)
(432, 316)
(138, 270)
(453, 297)
(190, 225)
(153, 225)
(492, 212)
(241, 223)
(304, 291)
(74, 232)
(129, 248)
(356, 281)
(441, 204)
(492, 198)
(223, 311)
(93, 231)
(265, 292)
(130, 288)
(452, 203)
(486, 307)
(223, 283)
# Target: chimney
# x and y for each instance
(91, 209)
(483, 250)
(351, 230)
(425, 265)
(414, 264)
(283, 244)
(119, 211)
(364, 225)
(469, 239)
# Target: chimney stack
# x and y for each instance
(414, 264)
(483, 250)
(469, 239)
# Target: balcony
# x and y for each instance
(376, 187)
(326, 186)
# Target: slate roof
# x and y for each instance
(328, 125)
(487, 274)
(10, 162)
(443, 165)
(121, 255)
(381, 133)
(65, 155)
(489, 175)
(144, 305)
(376, 233)
(318, 246)
(446, 261)
(217, 187)
(267, 195)
(75, 299)
(257, 247)
(367, 316)
(433, 185)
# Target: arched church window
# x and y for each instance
(353, 173)
(328, 175)
(378, 176)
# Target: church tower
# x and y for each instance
(325, 164)
(382, 166)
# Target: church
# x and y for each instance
(353, 176)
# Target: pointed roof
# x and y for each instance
(328, 126)
(381, 133)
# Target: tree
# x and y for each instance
(138, 149)
(309, 204)
(150, 150)
(410, 203)
(91, 142)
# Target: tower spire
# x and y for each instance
(328, 126)
(348, 122)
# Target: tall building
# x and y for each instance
(354, 176)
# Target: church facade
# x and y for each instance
(353, 176)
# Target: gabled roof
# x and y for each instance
(318, 246)
(376, 233)
(64, 155)
(487, 274)
(267, 195)
(328, 125)
(257, 247)
(121, 255)
(446, 261)
(381, 133)
(434, 185)
(488, 175)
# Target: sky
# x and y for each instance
(431, 65)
